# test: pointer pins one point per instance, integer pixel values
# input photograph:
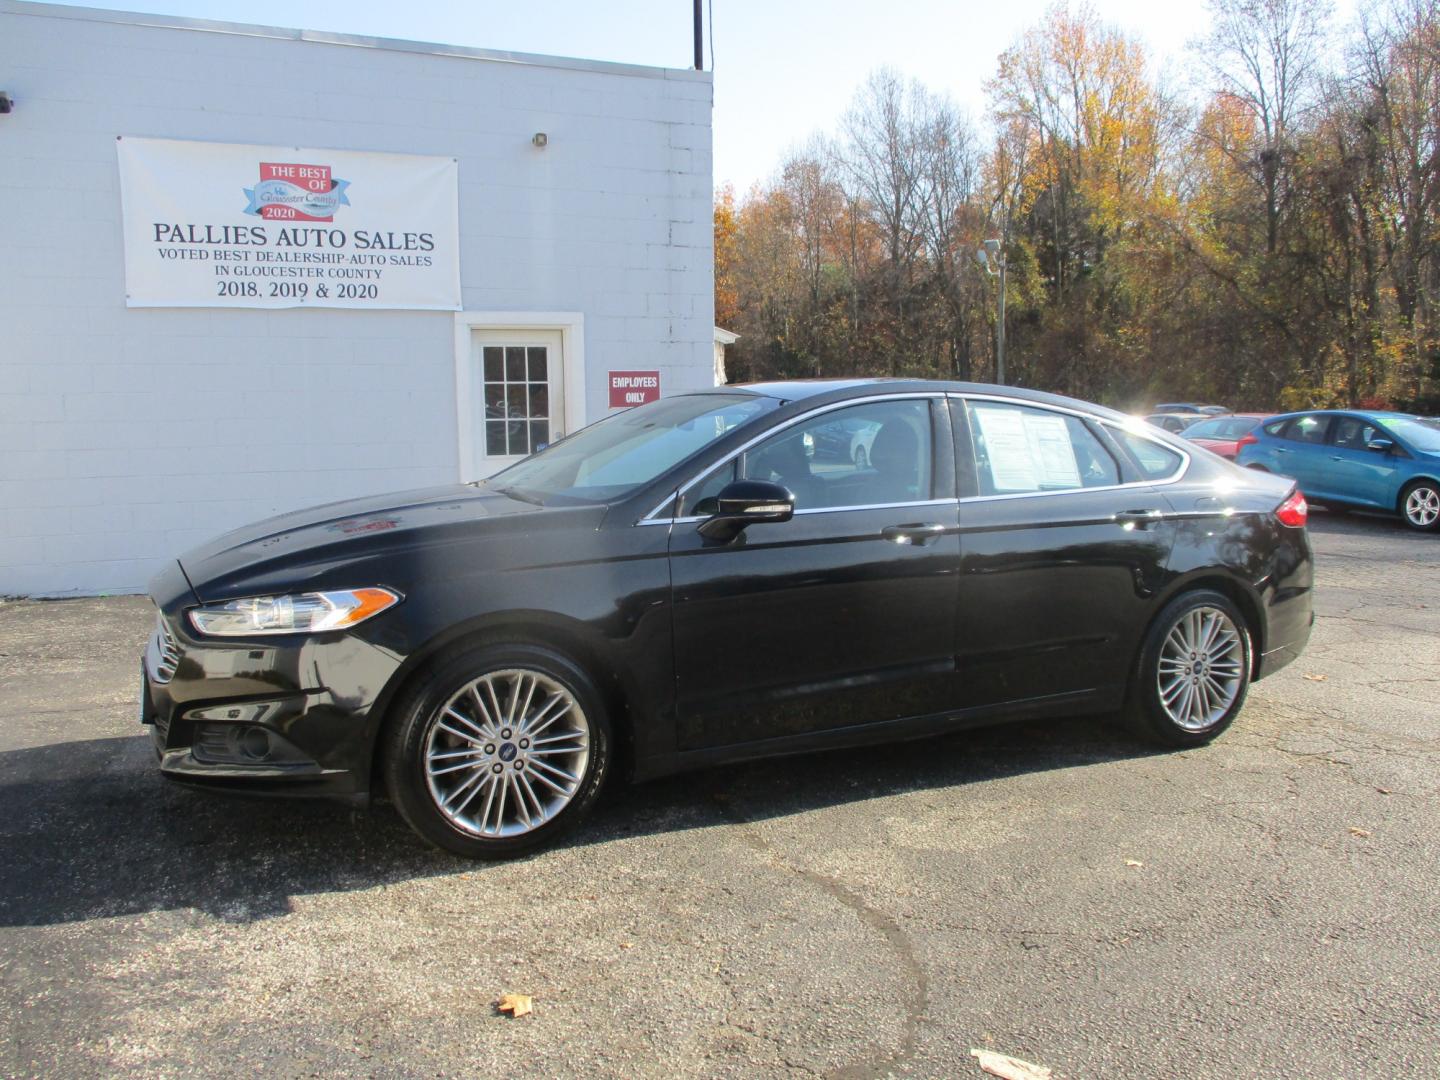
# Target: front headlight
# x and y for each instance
(301, 613)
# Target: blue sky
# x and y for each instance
(783, 68)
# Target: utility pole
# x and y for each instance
(991, 258)
(699, 39)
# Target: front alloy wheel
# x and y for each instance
(1193, 673)
(1421, 506)
(506, 753)
(498, 750)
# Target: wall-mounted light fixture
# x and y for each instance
(540, 139)
(6, 102)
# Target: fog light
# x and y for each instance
(244, 744)
(255, 743)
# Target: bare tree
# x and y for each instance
(1268, 54)
(1396, 62)
(882, 156)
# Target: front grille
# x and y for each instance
(169, 652)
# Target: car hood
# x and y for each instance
(308, 546)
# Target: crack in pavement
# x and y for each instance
(890, 930)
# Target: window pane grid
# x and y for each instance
(517, 399)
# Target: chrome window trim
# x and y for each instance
(817, 510)
(930, 395)
(1173, 478)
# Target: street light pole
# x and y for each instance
(991, 258)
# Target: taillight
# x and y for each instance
(1248, 440)
(1294, 511)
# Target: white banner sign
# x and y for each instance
(223, 225)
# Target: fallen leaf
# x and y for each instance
(1133, 862)
(517, 1005)
(1008, 1067)
(1355, 830)
(627, 944)
(1317, 678)
(1383, 790)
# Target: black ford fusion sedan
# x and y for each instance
(689, 583)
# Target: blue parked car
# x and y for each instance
(1346, 459)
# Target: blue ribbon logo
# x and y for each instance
(318, 204)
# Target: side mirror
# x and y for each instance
(747, 502)
(1382, 446)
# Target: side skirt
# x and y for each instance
(1072, 703)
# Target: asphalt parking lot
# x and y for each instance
(1265, 906)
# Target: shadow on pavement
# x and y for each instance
(1362, 523)
(89, 829)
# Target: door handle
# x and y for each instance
(912, 534)
(1282, 450)
(1336, 457)
(1139, 519)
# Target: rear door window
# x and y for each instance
(1021, 450)
(1308, 429)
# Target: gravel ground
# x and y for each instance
(1265, 906)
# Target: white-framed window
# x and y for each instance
(520, 385)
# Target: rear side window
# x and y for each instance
(1308, 429)
(1275, 427)
(1208, 429)
(1156, 462)
(1019, 450)
(1230, 427)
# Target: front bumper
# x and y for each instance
(288, 716)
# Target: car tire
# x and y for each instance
(1190, 683)
(497, 750)
(1420, 505)
(861, 459)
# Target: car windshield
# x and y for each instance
(622, 453)
(1420, 432)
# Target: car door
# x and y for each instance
(1063, 542)
(1302, 454)
(1358, 474)
(843, 615)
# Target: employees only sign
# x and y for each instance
(226, 225)
(629, 388)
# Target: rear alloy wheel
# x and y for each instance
(1420, 506)
(1194, 671)
(499, 750)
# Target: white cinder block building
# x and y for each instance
(541, 226)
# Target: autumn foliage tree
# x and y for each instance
(1269, 239)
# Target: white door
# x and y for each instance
(519, 406)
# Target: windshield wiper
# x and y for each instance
(523, 496)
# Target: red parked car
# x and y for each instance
(1224, 434)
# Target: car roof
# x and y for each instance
(1373, 414)
(839, 389)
